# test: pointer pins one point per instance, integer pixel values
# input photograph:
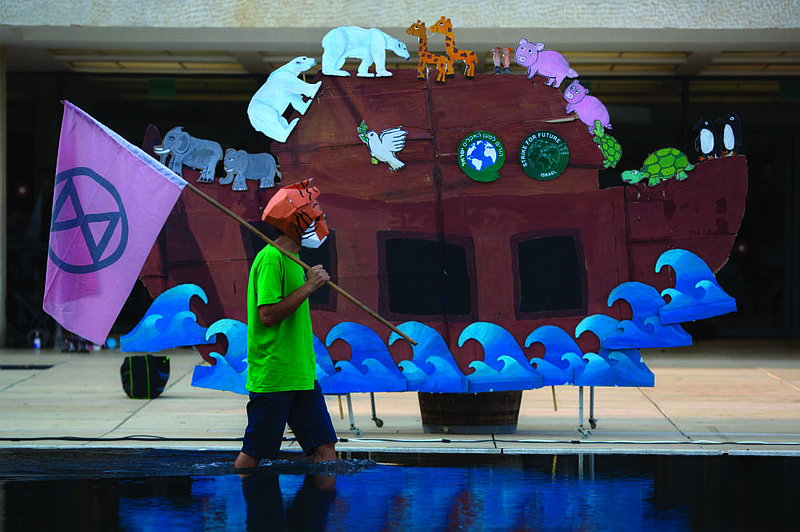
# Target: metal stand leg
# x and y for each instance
(375, 418)
(583, 430)
(592, 420)
(356, 430)
(582, 466)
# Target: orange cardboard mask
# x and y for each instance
(294, 210)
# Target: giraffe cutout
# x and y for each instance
(425, 57)
(445, 27)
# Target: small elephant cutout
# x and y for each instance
(241, 166)
(186, 150)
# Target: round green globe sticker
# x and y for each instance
(481, 155)
(544, 155)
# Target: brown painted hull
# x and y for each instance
(621, 231)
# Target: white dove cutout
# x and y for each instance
(384, 147)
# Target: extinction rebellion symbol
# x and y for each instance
(89, 227)
(543, 155)
(481, 155)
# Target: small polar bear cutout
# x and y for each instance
(282, 88)
(368, 45)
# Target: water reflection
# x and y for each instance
(430, 493)
(307, 509)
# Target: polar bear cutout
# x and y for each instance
(369, 45)
(282, 88)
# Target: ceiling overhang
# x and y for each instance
(227, 51)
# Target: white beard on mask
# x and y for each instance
(310, 238)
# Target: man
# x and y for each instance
(281, 375)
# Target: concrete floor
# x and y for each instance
(722, 396)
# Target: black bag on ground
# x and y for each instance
(144, 376)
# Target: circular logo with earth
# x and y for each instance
(481, 155)
(543, 155)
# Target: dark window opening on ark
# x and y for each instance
(322, 299)
(426, 277)
(551, 275)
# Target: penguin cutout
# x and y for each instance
(729, 135)
(706, 142)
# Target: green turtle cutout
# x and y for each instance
(609, 146)
(659, 166)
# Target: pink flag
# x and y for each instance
(109, 204)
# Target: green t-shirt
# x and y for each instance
(281, 357)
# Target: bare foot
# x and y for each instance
(325, 452)
(244, 461)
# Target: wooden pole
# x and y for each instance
(305, 266)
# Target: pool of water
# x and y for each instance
(192, 491)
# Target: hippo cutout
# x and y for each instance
(549, 64)
(587, 107)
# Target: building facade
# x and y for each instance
(658, 66)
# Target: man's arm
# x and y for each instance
(273, 314)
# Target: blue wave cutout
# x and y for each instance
(504, 366)
(610, 367)
(645, 328)
(229, 373)
(370, 368)
(696, 295)
(433, 368)
(562, 357)
(168, 323)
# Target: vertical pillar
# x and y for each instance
(3, 188)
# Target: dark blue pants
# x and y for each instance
(268, 413)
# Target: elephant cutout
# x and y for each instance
(241, 166)
(186, 150)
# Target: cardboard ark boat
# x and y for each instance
(430, 245)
